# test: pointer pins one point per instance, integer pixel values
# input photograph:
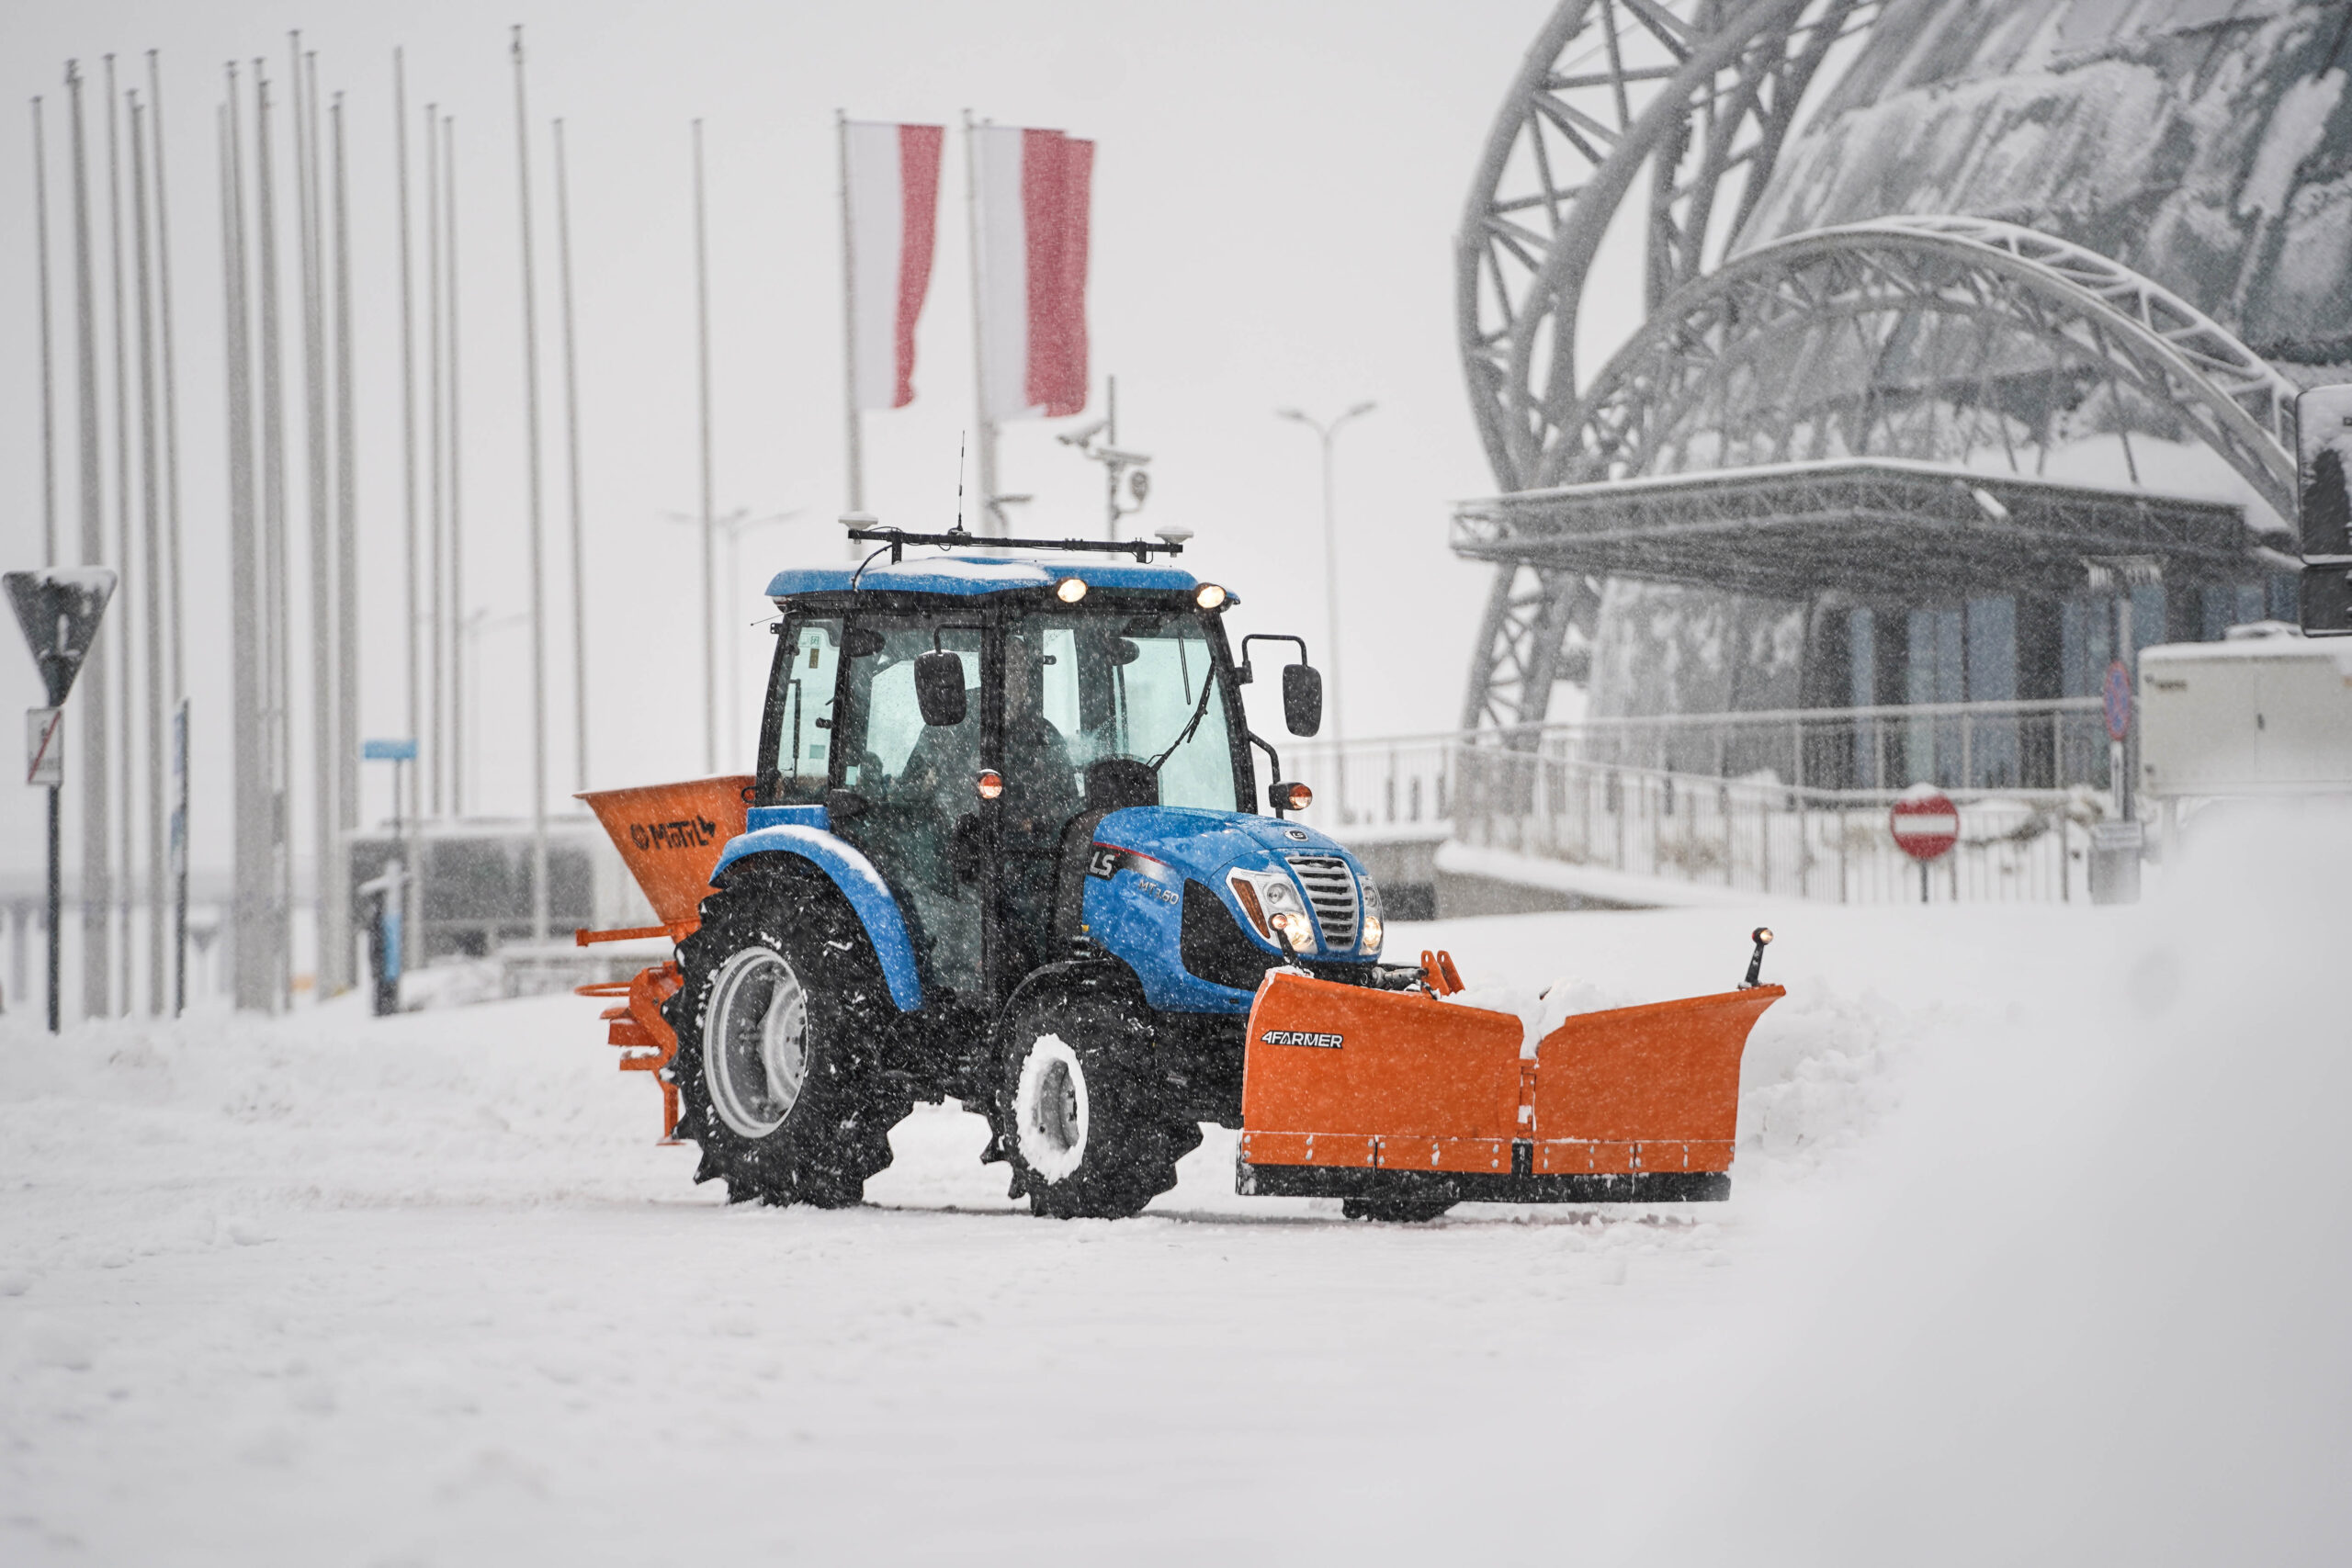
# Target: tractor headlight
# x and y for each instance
(1071, 590)
(1272, 903)
(1373, 930)
(1208, 596)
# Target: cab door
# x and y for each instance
(903, 792)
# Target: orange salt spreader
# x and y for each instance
(670, 837)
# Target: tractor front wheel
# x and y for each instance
(778, 1021)
(1085, 1110)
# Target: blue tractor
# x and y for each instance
(1003, 844)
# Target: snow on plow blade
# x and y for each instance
(1350, 1092)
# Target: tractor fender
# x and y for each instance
(869, 897)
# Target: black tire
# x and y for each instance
(777, 927)
(1395, 1211)
(1084, 1107)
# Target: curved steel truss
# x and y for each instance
(1944, 338)
(1937, 338)
(1699, 93)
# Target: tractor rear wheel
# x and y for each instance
(778, 1064)
(1084, 1108)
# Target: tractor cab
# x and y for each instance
(968, 723)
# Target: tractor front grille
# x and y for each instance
(1331, 894)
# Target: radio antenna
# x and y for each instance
(962, 443)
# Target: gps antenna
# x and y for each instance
(962, 443)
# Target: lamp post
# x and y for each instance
(1327, 432)
(734, 525)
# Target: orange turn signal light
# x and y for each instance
(990, 784)
(1291, 797)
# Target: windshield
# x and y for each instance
(1140, 686)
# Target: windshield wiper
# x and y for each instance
(1200, 711)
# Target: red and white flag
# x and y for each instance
(1031, 188)
(890, 193)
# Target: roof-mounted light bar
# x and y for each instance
(862, 525)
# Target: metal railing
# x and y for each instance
(1793, 803)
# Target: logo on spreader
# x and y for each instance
(1302, 1037)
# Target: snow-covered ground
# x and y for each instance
(2038, 1252)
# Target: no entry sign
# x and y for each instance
(1926, 826)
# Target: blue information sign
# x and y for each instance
(387, 750)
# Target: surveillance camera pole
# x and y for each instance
(1122, 471)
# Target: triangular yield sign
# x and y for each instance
(60, 609)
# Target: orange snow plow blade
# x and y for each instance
(1356, 1093)
(670, 837)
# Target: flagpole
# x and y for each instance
(124, 646)
(408, 420)
(991, 523)
(849, 329)
(249, 805)
(702, 341)
(278, 742)
(537, 532)
(174, 612)
(437, 427)
(346, 550)
(97, 893)
(456, 489)
(151, 564)
(572, 466)
(48, 377)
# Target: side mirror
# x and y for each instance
(1302, 698)
(939, 689)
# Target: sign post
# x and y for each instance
(2115, 701)
(1926, 826)
(59, 609)
(394, 889)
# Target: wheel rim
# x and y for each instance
(1051, 1108)
(755, 1048)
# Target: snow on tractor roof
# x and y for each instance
(974, 574)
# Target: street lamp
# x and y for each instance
(1327, 432)
(734, 525)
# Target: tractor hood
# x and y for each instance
(1206, 844)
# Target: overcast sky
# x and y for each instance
(1276, 187)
